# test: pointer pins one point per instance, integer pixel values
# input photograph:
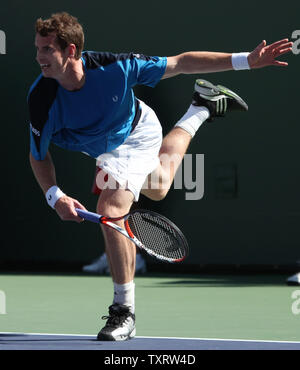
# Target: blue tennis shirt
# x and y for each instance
(97, 118)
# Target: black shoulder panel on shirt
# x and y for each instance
(40, 101)
(95, 59)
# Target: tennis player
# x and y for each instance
(83, 101)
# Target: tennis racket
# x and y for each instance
(148, 230)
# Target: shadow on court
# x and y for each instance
(188, 280)
(229, 281)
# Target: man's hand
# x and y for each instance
(65, 208)
(264, 55)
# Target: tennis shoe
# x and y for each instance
(120, 324)
(140, 265)
(98, 266)
(218, 99)
(294, 279)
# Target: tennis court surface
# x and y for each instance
(173, 312)
(32, 341)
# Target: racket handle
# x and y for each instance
(89, 216)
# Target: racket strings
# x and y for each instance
(158, 236)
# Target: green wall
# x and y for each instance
(250, 212)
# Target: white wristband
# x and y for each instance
(53, 194)
(240, 61)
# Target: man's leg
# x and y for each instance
(209, 101)
(101, 264)
(173, 149)
(121, 256)
(120, 251)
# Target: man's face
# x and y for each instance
(51, 58)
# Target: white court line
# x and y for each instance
(226, 340)
(176, 338)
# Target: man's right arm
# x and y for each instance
(44, 172)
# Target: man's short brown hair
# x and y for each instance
(67, 29)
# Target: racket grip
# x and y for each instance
(89, 216)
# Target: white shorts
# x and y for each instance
(129, 165)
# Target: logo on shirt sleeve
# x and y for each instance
(35, 131)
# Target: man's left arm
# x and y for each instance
(206, 62)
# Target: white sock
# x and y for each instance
(193, 119)
(124, 294)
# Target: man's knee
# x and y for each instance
(155, 194)
(114, 203)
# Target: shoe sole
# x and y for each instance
(107, 337)
(206, 88)
(212, 92)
